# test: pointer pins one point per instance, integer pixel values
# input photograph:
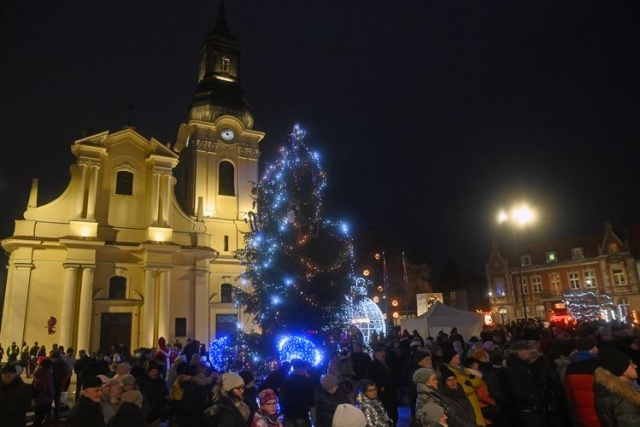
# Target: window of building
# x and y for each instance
(577, 253)
(552, 256)
(624, 308)
(226, 243)
(503, 313)
(226, 179)
(225, 64)
(500, 290)
(527, 311)
(226, 293)
(619, 279)
(536, 284)
(574, 280)
(181, 326)
(541, 311)
(124, 183)
(525, 260)
(453, 295)
(590, 280)
(613, 248)
(523, 286)
(556, 286)
(118, 287)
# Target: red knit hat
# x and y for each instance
(266, 396)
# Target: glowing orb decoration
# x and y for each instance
(292, 347)
(367, 317)
(222, 353)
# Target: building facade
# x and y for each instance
(141, 243)
(536, 276)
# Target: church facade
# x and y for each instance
(141, 243)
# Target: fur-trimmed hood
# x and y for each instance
(616, 386)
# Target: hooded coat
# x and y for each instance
(617, 402)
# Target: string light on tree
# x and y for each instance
(296, 261)
(589, 306)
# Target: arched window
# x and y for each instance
(124, 183)
(226, 293)
(541, 311)
(226, 179)
(118, 287)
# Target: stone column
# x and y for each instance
(16, 297)
(68, 305)
(85, 310)
(163, 304)
(148, 322)
(166, 197)
(154, 201)
(201, 303)
(93, 190)
(81, 190)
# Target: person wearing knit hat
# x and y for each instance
(122, 369)
(347, 415)
(435, 415)
(327, 398)
(616, 397)
(455, 401)
(368, 402)
(128, 382)
(111, 395)
(250, 392)
(267, 413)
(130, 411)
(228, 406)
(427, 381)
(329, 383)
(156, 391)
(421, 358)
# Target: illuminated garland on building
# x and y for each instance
(299, 265)
(589, 306)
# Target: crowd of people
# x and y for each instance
(525, 374)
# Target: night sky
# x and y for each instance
(429, 115)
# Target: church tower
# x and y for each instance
(218, 147)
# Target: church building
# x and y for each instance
(141, 243)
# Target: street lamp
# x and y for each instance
(519, 217)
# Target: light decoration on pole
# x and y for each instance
(589, 306)
(293, 347)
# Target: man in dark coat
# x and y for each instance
(155, 391)
(15, 398)
(130, 411)
(525, 397)
(60, 372)
(79, 369)
(617, 401)
(361, 362)
(380, 373)
(87, 412)
(296, 395)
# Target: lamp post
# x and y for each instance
(519, 217)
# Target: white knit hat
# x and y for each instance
(348, 416)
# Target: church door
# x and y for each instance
(115, 328)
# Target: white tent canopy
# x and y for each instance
(443, 318)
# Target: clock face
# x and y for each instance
(227, 134)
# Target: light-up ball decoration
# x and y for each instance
(222, 353)
(367, 316)
(292, 347)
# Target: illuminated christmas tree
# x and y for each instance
(298, 264)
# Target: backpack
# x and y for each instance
(177, 391)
